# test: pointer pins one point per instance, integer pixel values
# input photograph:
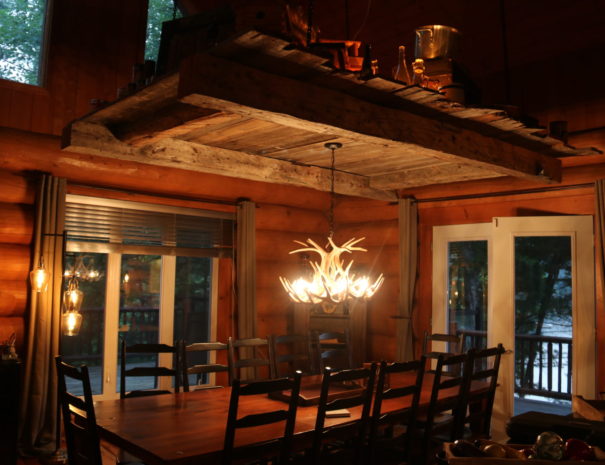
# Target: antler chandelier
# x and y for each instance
(333, 280)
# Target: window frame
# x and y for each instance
(167, 289)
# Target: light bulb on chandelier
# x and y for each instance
(333, 281)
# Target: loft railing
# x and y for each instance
(542, 363)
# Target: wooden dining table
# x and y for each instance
(188, 428)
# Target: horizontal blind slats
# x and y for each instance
(117, 225)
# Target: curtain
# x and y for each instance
(38, 409)
(246, 269)
(600, 221)
(408, 251)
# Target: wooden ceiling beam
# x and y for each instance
(438, 174)
(224, 85)
(96, 139)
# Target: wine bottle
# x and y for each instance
(401, 72)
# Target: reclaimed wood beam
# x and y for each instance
(437, 174)
(220, 84)
(96, 139)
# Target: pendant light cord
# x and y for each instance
(331, 215)
(332, 146)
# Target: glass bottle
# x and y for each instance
(419, 69)
(401, 72)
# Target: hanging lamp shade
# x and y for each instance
(71, 319)
(39, 277)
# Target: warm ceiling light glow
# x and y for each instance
(332, 281)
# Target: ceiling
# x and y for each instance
(255, 107)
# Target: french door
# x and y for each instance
(510, 278)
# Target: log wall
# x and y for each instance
(284, 214)
(378, 223)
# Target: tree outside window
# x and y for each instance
(21, 31)
(159, 12)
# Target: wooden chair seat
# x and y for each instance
(395, 446)
(200, 369)
(259, 419)
(291, 353)
(155, 371)
(79, 421)
(247, 356)
(350, 447)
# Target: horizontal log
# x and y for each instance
(25, 151)
(16, 223)
(14, 262)
(277, 245)
(13, 298)
(376, 233)
(10, 325)
(95, 139)
(351, 210)
(282, 218)
(16, 188)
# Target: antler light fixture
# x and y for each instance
(333, 281)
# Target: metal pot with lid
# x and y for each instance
(436, 41)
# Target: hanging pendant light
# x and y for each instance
(333, 281)
(39, 276)
(71, 319)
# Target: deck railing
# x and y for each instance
(542, 363)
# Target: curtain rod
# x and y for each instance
(505, 193)
(168, 196)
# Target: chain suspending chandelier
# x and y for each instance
(333, 281)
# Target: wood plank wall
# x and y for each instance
(91, 50)
(284, 213)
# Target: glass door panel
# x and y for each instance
(467, 292)
(543, 323)
(139, 316)
(86, 348)
(193, 307)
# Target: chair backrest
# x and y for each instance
(154, 371)
(332, 349)
(483, 366)
(360, 396)
(450, 426)
(200, 349)
(409, 394)
(83, 446)
(291, 352)
(261, 418)
(250, 353)
(453, 341)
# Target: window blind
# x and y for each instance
(121, 226)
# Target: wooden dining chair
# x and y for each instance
(289, 386)
(78, 412)
(248, 355)
(389, 448)
(154, 371)
(353, 450)
(291, 353)
(332, 349)
(201, 350)
(452, 340)
(484, 366)
(445, 414)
